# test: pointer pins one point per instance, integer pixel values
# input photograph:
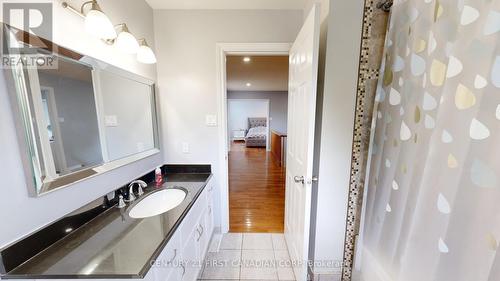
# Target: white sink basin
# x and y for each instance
(157, 203)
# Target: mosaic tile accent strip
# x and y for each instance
(372, 44)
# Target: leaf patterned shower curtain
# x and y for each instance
(433, 189)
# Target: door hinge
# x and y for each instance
(314, 179)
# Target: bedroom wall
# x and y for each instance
(278, 103)
(32, 213)
(240, 110)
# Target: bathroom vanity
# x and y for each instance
(113, 245)
(80, 118)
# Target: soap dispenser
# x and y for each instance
(158, 177)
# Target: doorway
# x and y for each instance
(257, 103)
(223, 51)
(303, 63)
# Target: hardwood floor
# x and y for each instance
(256, 191)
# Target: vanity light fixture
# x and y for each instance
(126, 41)
(145, 54)
(249, 84)
(247, 59)
(97, 23)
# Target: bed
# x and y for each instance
(257, 132)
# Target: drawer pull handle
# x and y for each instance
(173, 258)
(199, 235)
(200, 232)
(183, 269)
(209, 210)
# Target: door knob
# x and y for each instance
(298, 179)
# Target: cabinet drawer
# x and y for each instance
(191, 262)
(191, 220)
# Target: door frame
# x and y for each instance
(222, 50)
(56, 127)
(268, 115)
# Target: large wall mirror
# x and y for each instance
(79, 117)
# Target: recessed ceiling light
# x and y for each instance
(247, 59)
(249, 84)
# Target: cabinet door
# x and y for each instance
(176, 274)
(211, 212)
(191, 263)
(210, 218)
(166, 266)
(203, 239)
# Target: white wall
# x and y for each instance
(238, 112)
(186, 43)
(33, 213)
(335, 130)
(278, 106)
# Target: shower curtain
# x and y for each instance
(432, 201)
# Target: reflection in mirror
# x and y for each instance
(128, 115)
(65, 110)
(79, 117)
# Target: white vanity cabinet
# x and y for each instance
(192, 237)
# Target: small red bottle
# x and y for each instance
(158, 177)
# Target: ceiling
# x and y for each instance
(227, 4)
(264, 73)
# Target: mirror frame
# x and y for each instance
(23, 117)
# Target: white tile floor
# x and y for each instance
(248, 256)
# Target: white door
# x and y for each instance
(301, 112)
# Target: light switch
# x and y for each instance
(110, 121)
(211, 120)
(185, 147)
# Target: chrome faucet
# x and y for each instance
(131, 196)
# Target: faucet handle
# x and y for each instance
(142, 183)
(121, 203)
(140, 191)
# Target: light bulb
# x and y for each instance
(145, 54)
(98, 24)
(126, 42)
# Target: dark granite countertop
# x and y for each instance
(113, 245)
